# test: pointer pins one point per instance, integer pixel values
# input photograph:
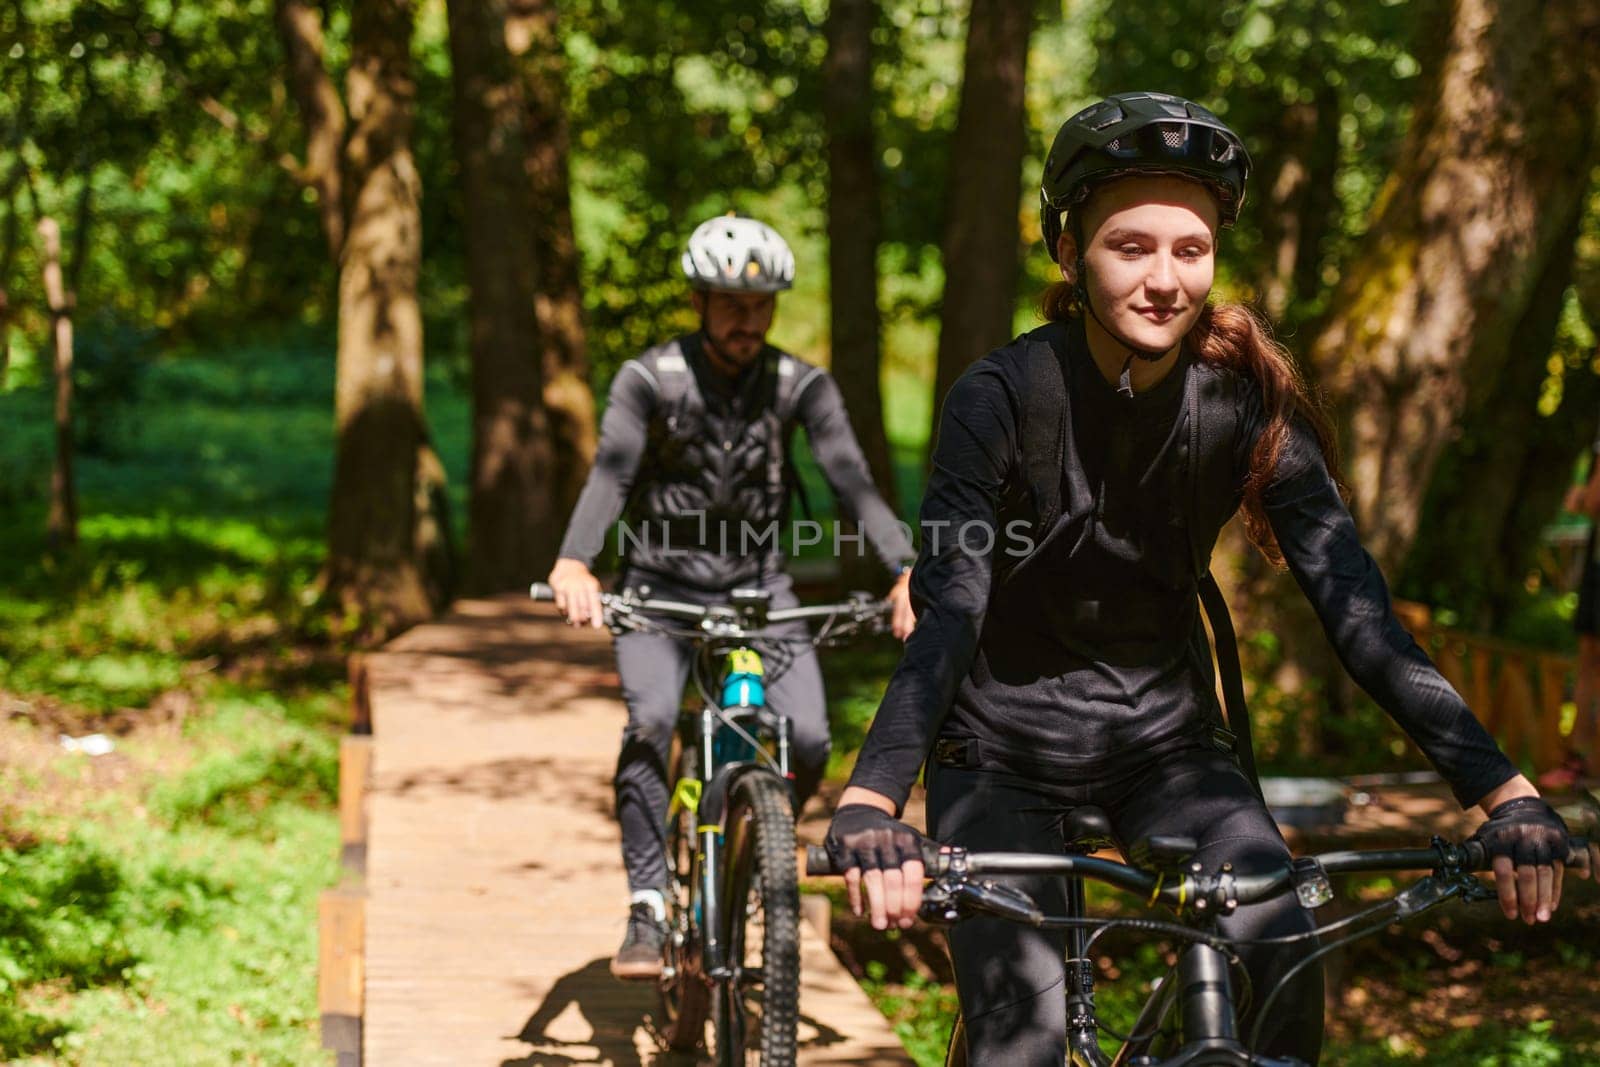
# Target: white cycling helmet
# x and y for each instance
(738, 253)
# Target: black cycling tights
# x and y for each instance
(1010, 978)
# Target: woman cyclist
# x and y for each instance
(1079, 673)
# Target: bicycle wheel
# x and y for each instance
(759, 1005)
(685, 995)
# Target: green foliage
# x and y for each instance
(169, 917)
(1254, 63)
(923, 1012)
(235, 790)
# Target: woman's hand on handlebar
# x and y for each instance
(577, 593)
(877, 853)
(1527, 844)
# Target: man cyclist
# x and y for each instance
(694, 447)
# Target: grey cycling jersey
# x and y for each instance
(700, 463)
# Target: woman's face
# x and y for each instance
(1150, 256)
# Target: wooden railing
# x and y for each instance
(341, 910)
(1516, 692)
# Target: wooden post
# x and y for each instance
(1549, 747)
(1482, 689)
(360, 695)
(355, 767)
(63, 528)
(341, 971)
(1515, 706)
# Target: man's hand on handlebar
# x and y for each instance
(877, 853)
(577, 593)
(902, 620)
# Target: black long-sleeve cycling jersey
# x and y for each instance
(1094, 657)
(701, 465)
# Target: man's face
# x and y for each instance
(736, 323)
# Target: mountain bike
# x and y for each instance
(1191, 1018)
(733, 908)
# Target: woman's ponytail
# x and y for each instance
(1235, 337)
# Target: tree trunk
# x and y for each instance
(854, 216)
(63, 522)
(1501, 480)
(373, 555)
(300, 31)
(980, 247)
(1300, 200)
(531, 33)
(512, 536)
(1480, 201)
(8, 255)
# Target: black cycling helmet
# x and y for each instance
(1140, 133)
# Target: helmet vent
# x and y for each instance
(1172, 136)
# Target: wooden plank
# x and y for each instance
(341, 981)
(355, 768)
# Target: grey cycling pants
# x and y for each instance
(654, 669)
(1011, 978)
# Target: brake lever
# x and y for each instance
(947, 899)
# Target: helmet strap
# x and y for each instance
(1080, 289)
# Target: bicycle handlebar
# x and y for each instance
(698, 613)
(1191, 886)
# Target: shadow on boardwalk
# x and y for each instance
(613, 1010)
(616, 1013)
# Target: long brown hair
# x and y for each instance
(1237, 338)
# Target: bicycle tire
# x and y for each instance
(763, 897)
(683, 991)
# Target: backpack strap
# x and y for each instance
(791, 378)
(1213, 422)
(1044, 432)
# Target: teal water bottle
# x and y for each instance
(743, 686)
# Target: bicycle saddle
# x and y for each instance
(1086, 829)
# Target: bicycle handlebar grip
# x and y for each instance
(541, 591)
(819, 865)
(1578, 855)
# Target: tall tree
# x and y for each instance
(385, 561)
(512, 535)
(1483, 198)
(63, 521)
(532, 34)
(1299, 199)
(981, 246)
(854, 225)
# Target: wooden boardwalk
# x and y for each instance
(495, 893)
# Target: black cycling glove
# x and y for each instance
(865, 837)
(1526, 829)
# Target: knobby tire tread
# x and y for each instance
(770, 846)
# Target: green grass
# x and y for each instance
(158, 905)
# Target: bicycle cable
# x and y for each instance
(1263, 1015)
